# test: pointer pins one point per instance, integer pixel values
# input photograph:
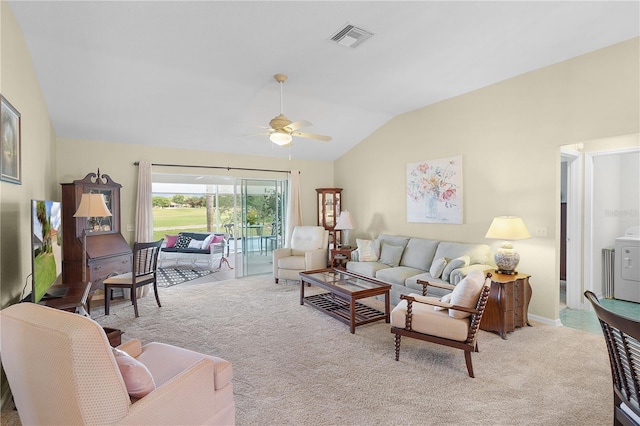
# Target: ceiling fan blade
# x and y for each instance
(258, 134)
(312, 136)
(297, 125)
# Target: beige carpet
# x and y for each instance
(295, 365)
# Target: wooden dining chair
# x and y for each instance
(622, 336)
(144, 272)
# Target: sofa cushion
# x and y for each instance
(390, 254)
(195, 244)
(412, 283)
(429, 321)
(182, 242)
(368, 250)
(368, 269)
(170, 240)
(419, 253)
(466, 293)
(306, 238)
(397, 275)
(394, 240)
(437, 267)
(453, 264)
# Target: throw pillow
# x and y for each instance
(390, 255)
(437, 267)
(182, 242)
(444, 299)
(137, 377)
(195, 244)
(458, 262)
(466, 293)
(171, 240)
(207, 241)
(368, 250)
(217, 239)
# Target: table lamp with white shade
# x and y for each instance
(507, 228)
(94, 207)
(345, 223)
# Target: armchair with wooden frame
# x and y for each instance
(622, 336)
(451, 321)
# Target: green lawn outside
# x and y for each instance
(179, 216)
(171, 221)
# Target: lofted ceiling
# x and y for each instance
(200, 74)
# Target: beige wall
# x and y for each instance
(509, 135)
(18, 84)
(77, 158)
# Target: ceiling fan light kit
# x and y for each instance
(282, 130)
(280, 138)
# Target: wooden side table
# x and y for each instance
(508, 305)
(340, 256)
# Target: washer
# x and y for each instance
(626, 281)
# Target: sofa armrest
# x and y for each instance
(188, 398)
(458, 274)
(316, 259)
(355, 255)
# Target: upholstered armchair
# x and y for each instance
(309, 250)
(61, 370)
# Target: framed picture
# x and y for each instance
(10, 144)
(434, 191)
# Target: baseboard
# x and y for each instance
(547, 321)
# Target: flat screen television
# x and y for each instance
(46, 249)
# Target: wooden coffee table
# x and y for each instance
(344, 289)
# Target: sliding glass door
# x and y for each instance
(261, 207)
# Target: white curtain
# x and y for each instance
(294, 206)
(144, 214)
(144, 204)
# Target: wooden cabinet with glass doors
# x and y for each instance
(329, 205)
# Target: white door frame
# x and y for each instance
(589, 255)
(574, 227)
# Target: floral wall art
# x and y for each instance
(434, 191)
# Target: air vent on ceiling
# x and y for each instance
(350, 36)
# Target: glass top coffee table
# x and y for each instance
(343, 290)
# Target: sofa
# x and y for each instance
(402, 261)
(193, 248)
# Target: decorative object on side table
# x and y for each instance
(507, 228)
(340, 255)
(91, 206)
(10, 143)
(345, 223)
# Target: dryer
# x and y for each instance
(626, 279)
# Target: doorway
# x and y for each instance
(261, 207)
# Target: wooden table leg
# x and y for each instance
(387, 307)
(353, 315)
(302, 292)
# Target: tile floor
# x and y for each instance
(587, 320)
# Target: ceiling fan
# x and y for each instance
(281, 130)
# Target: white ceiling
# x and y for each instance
(200, 74)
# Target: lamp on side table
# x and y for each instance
(91, 206)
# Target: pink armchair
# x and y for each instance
(61, 370)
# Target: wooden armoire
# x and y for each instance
(108, 253)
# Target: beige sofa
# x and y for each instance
(415, 260)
